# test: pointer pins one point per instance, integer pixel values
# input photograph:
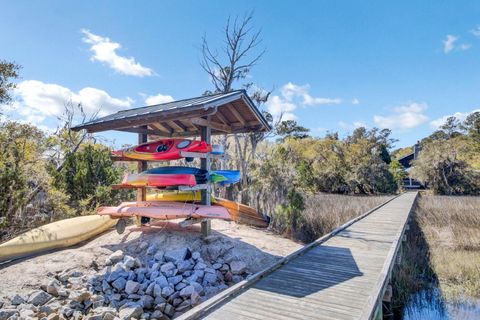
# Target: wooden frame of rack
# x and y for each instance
(224, 113)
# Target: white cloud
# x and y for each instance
(158, 99)
(437, 123)
(291, 96)
(105, 50)
(403, 117)
(476, 31)
(35, 101)
(279, 107)
(351, 126)
(449, 44)
(355, 101)
(291, 91)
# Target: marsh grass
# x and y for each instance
(325, 212)
(443, 250)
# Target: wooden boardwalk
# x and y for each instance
(340, 276)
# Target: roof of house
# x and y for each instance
(232, 112)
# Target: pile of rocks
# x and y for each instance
(160, 285)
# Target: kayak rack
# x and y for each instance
(216, 114)
(187, 154)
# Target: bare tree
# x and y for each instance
(229, 67)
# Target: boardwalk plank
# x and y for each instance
(342, 278)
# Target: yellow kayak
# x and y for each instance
(181, 196)
(59, 234)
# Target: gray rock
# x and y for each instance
(157, 290)
(119, 284)
(79, 296)
(225, 268)
(180, 286)
(210, 278)
(112, 276)
(159, 256)
(196, 255)
(105, 286)
(169, 310)
(195, 298)
(27, 314)
(150, 288)
(39, 297)
(237, 279)
(167, 291)
(184, 306)
(159, 300)
(200, 266)
(175, 280)
(131, 287)
(238, 267)
(155, 266)
(94, 317)
(17, 299)
(147, 301)
(187, 291)
(228, 276)
(177, 302)
(199, 273)
(216, 266)
(162, 281)
(143, 245)
(177, 254)
(209, 270)
(184, 265)
(198, 287)
(129, 262)
(167, 267)
(7, 313)
(157, 314)
(130, 312)
(152, 249)
(115, 257)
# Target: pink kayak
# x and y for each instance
(165, 210)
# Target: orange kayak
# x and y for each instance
(165, 210)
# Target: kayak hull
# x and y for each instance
(158, 180)
(239, 213)
(55, 235)
(164, 149)
(165, 210)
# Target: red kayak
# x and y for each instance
(157, 180)
(165, 149)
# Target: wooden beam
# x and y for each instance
(236, 114)
(175, 126)
(161, 128)
(189, 125)
(142, 130)
(214, 125)
(221, 117)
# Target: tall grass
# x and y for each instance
(324, 212)
(451, 226)
(443, 249)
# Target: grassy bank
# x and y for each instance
(322, 213)
(443, 250)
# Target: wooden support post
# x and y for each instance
(142, 166)
(205, 164)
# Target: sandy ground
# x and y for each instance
(259, 248)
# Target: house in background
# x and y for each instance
(406, 162)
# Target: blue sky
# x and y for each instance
(334, 66)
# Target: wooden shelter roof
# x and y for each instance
(232, 112)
